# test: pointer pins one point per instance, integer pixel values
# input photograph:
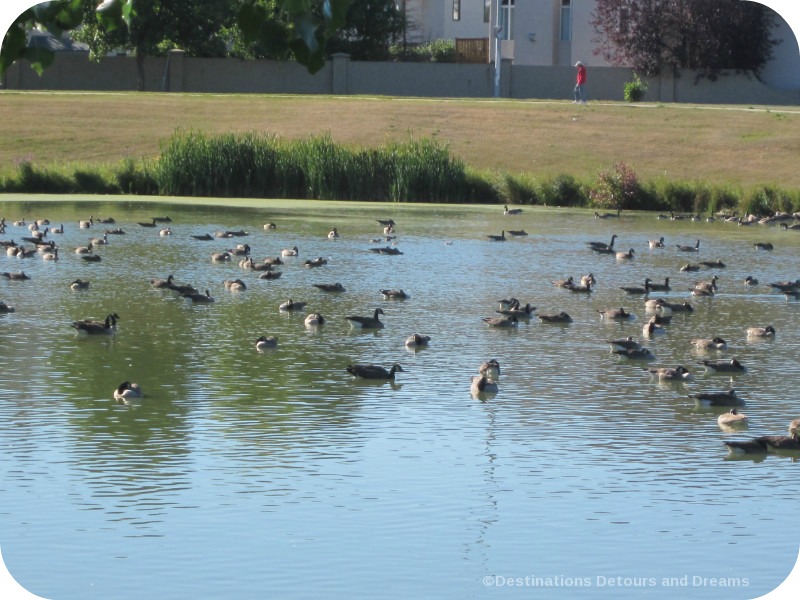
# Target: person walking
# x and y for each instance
(580, 91)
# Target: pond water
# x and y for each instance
(275, 474)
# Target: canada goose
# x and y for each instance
(585, 287)
(240, 250)
(266, 341)
(269, 226)
(781, 442)
(85, 249)
(316, 262)
(625, 255)
(633, 354)
(333, 234)
(498, 238)
(511, 211)
(387, 222)
(750, 280)
(709, 285)
(795, 227)
(615, 314)
(482, 385)
(607, 215)
(794, 426)
(16, 276)
(103, 241)
(330, 287)
(416, 340)
(651, 328)
(728, 365)
(713, 264)
(695, 248)
(603, 245)
(564, 283)
(716, 343)
(79, 284)
(357, 322)
(501, 322)
(290, 305)
(732, 418)
(248, 263)
(661, 287)
(290, 251)
(115, 231)
(634, 290)
(515, 233)
(23, 252)
(235, 285)
(490, 369)
(689, 268)
(394, 294)
(760, 332)
(42, 222)
(754, 446)
(162, 283)
(200, 298)
(386, 250)
(678, 306)
(785, 286)
(764, 246)
(313, 319)
(670, 373)
(239, 233)
(271, 275)
(183, 289)
(220, 256)
(127, 390)
(165, 232)
(5, 308)
(108, 221)
(148, 224)
(728, 398)
(91, 257)
(20, 223)
(86, 224)
(11, 250)
(702, 292)
(659, 243)
(206, 237)
(792, 294)
(561, 317)
(93, 327)
(627, 343)
(519, 311)
(52, 255)
(373, 371)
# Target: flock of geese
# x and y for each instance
(509, 314)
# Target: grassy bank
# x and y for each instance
(683, 157)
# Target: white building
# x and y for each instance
(553, 32)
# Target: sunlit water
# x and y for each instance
(249, 475)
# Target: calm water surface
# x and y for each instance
(274, 474)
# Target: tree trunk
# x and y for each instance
(140, 69)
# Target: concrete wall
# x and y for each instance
(73, 71)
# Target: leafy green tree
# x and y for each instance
(656, 35)
(371, 28)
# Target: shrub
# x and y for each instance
(563, 190)
(34, 181)
(89, 182)
(439, 51)
(616, 189)
(520, 189)
(131, 180)
(635, 90)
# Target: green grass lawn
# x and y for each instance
(717, 144)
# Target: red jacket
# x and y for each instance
(581, 75)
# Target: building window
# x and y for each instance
(566, 20)
(506, 20)
(456, 10)
(487, 11)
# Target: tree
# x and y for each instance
(656, 35)
(371, 27)
(303, 32)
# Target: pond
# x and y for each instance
(275, 473)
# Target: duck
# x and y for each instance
(6, 308)
(483, 385)
(314, 319)
(627, 343)
(603, 245)
(760, 332)
(15, 276)
(723, 365)
(498, 238)
(659, 243)
(162, 283)
(330, 287)
(636, 354)
(490, 369)
(290, 305)
(728, 398)
(93, 327)
(750, 280)
(670, 373)
(358, 322)
(235, 285)
(367, 371)
(127, 391)
(199, 298)
(764, 246)
(695, 248)
(394, 294)
(511, 211)
(79, 284)
(316, 262)
(661, 287)
(333, 234)
(716, 343)
(501, 322)
(561, 317)
(290, 251)
(625, 255)
(416, 340)
(266, 341)
(732, 418)
(615, 314)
